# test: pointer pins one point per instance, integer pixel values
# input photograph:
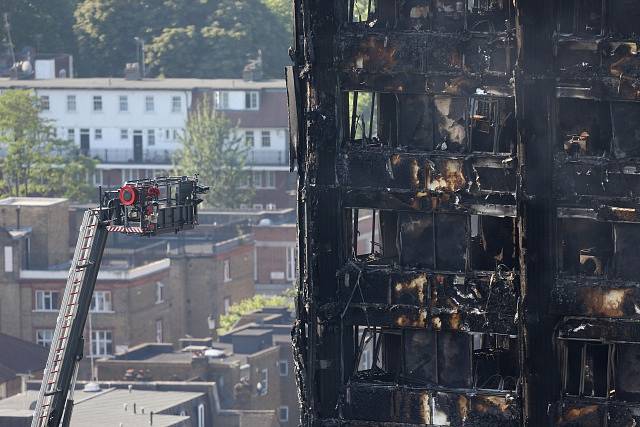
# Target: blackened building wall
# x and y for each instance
(494, 143)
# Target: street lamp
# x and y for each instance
(140, 49)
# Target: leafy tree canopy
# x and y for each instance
(36, 163)
(236, 311)
(46, 25)
(212, 149)
(184, 38)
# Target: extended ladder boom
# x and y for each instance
(144, 208)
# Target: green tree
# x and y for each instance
(35, 163)
(46, 25)
(185, 38)
(257, 302)
(212, 149)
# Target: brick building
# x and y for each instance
(143, 293)
(251, 365)
(154, 403)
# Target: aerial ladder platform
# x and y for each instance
(146, 207)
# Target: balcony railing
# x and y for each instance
(151, 156)
(268, 157)
(157, 156)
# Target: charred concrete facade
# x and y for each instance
(494, 144)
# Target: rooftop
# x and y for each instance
(20, 357)
(149, 84)
(107, 407)
(31, 201)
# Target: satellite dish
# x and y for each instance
(26, 67)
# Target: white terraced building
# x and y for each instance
(133, 126)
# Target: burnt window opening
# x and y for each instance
(580, 17)
(489, 16)
(428, 123)
(438, 358)
(626, 138)
(624, 17)
(376, 353)
(578, 60)
(363, 113)
(493, 243)
(362, 11)
(493, 125)
(627, 256)
(584, 127)
(372, 235)
(450, 123)
(415, 14)
(450, 16)
(588, 369)
(433, 241)
(601, 370)
(495, 362)
(586, 246)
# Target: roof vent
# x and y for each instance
(91, 387)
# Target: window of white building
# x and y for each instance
(176, 104)
(124, 133)
(251, 100)
(47, 300)
(101, 302)
(266, 138)
(151, 137)
(101, 343)
(149, 104)
(44, 103)
(159, 331)
(71, 103)
(97, 103)
(97, 133)
(249, 138)
(44, 337)
(221, 100)
(71, 135)
(123, 103)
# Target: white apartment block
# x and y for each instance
(133, 127)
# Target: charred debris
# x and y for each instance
(493, 147)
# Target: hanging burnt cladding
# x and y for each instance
(467, 212)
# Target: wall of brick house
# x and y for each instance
(283, 196)
(199, 278)
(10, 297)
(50, 228)
(271, 251)
(288, 387)
(266, 359)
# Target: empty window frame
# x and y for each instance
(493, 242)
(361, 10)
(489, 16)
(586, 246)
(372, 235)
(588, 368)
(449, 16)
(580, 17)
(624, 16)
(362, 120)
(376, 351)
(626, 258)
(584, 127)
(493, 124)
(495, 362)
(625, 135)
